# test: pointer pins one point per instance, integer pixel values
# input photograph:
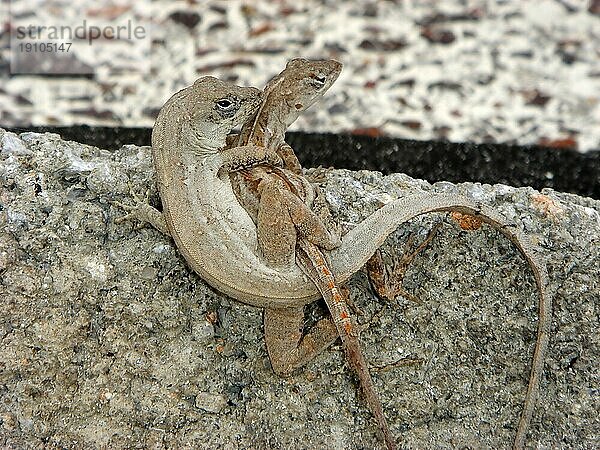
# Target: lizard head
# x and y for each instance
(303, 81)
(215, 107)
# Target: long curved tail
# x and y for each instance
(360, 243)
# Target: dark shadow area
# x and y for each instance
(539, 167)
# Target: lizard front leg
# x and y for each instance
(284, 151)
(144, 212)
(287, 346)
(290, 160)
(247, 156)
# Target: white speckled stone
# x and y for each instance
(508, 71)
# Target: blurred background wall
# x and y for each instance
(512, 71)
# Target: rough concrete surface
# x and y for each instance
(108, 339)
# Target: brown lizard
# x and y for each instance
(286, 226)
(287, 196)
(218, 238)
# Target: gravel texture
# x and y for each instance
(109, 340)
(512, 71)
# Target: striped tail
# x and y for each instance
(312, 261)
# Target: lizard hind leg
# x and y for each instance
(282, 216)
(144, 212)
(275, 229)
(287, 346)
(388, 283)
(309, 225)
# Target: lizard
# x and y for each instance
(286, 95)
(287, 227)
(218, 238)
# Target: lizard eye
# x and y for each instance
(227, 107)
(319, 81)
(224, 103)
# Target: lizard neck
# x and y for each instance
(203, 142)
(275, 114)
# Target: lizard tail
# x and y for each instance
(372, 232)
(312, 261)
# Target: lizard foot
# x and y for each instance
(386, 283)
(142, 211)
(133, 210)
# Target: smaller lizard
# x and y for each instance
(288, 228)
(289, 197)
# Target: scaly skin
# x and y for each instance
(283, 216)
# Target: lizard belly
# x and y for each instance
(218, 239)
